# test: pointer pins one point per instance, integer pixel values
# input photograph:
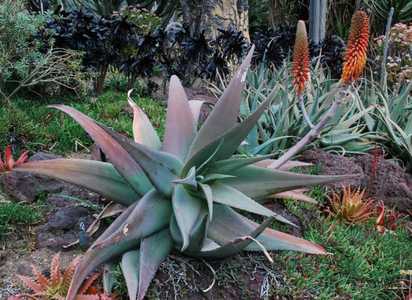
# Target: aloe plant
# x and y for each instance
(185, 193)
(283, 123)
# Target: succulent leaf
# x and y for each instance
(180, 124)
(96, 176)
(235, 246)
(151, 214)
(143, 131)
(160, 167)
(153, 251)
(195, 107)
(228, 225)
(228, 195)
(231, 164)
(130, 265)
(119, 157)
(224, 116)
(187, 209)
(230, 141)
(257, 183)
(208, 193)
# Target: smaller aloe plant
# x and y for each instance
(351, 205)
(57, 285)
(9, 163)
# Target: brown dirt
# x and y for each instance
(386, 181)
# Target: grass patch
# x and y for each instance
(31, 125)
(14, 214)
(364, 264)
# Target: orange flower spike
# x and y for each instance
(356, 52)
(300, 65)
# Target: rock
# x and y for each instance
(26, 187)
(67, 217)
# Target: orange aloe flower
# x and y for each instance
(356, 52)
(300, 65)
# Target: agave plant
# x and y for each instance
(185, 193)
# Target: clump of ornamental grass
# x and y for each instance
(186, 193)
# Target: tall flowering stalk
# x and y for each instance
(300, 66)
(356, 53)
(355, 60)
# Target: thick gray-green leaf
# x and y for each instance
(160, 167)
(153, 251)
(130, 269)
(228, 225)
(228, 195)
(187, 211)
(196, 108)
(119, 157)
(231, 164)
(180, 124)
(208, 193)
(151, 214)
(257, 182)
(143, 131)
(224, 115)
(235, 246)
(230, 140)
(96, 176)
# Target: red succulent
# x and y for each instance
(9, 163)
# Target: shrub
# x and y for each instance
(399, 61)
(24, 62)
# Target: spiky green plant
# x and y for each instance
(185, 193)
(283, 123)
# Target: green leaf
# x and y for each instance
(196, 108)
(187, 211)
(236, 245)
(130, 269)
(99, 177)
(118, 156)
(153, 251)
(224, 116)
(213, 177)
(227, 195)
(228, 225)
(256, 182)
(108, 278)
(143, 131)
(180, 126)
(160, 167)
(231, 140)
(151, 214)
(208, 193)
(231, 164)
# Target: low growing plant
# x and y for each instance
(56, 285)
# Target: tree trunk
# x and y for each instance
(209, 15)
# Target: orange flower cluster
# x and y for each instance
(356, 53)
(300, 65)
